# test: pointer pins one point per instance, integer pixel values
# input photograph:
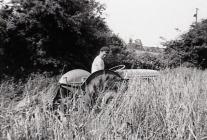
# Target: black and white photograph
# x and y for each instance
(103, 69)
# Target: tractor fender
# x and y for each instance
(76, 76)
(96, 74)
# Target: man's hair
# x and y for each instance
(105, 48)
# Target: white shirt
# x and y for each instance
(98, 64)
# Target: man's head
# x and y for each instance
(104, 51)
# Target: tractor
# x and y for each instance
(80, 83)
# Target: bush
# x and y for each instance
(150, 61)
(189, 48)
(120, 55)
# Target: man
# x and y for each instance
(98, 63)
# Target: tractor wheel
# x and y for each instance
(65, 99)
(98, 84)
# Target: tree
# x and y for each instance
(45, 35)
(190, 48)
(137, 44)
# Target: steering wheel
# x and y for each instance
(118, 67)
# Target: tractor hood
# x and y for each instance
(138, 73)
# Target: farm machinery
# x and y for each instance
(82, 87)
(79, 83)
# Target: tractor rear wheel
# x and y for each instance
(98, 84)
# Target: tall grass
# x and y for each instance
(173, 106)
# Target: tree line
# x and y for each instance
(60, 35)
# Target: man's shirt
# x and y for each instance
(98, 64)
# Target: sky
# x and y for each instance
(149, 19)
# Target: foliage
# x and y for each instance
(135, 44)
(133, 60)
(149, 60)
(190, 48)
(57, 36)
(47, 35)
(154, 49)
(120, 55)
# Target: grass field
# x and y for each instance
(172, 107)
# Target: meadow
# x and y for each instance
(171, 107)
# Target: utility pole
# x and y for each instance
(196, 16)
